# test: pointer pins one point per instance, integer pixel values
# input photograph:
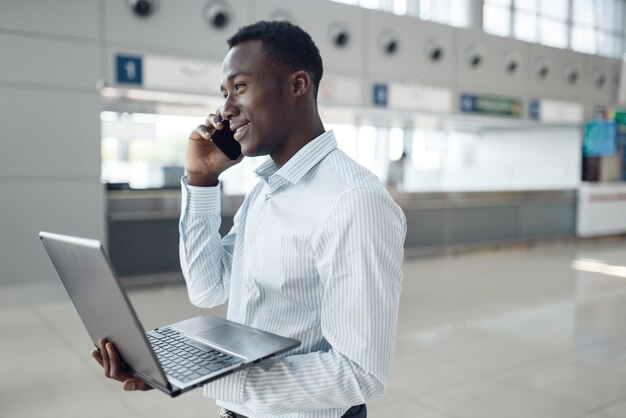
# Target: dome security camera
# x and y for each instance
(434, 51)
(339, 35)
(543, 68)
(217, 15)
(599, 79)
(511, 62)
(388, 43)
(571, 74)
(475, 56)
(141, 8)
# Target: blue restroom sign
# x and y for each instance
(380, 95)
(129, 69)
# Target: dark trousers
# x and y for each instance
(359, 411)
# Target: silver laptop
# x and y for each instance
(174, 358)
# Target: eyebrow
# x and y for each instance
(231, 77)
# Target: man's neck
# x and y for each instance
(304, 135)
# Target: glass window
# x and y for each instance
(400, 7)
(606, 15)
(497, 20)
(424, 9)
(584, 39)
(583, 13)
(557, 9)
(396, 143)
(459, 13)
(435, 10)
(525, 26)
(147, 151)
(609, 44)
(504, 3)
(366, 145)
(494, 160)
(620, 15)
(346, 136)
(526, 5)
(426, 147)
(240, 179)
(552, 32)
(144, 151)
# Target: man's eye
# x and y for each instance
(239, 86)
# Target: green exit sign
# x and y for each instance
(490, 105)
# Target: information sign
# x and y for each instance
(490, 105)
(129, 69)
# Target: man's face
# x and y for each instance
(255, 103)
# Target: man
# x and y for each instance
(316, 248)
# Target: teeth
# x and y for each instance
(241, 128)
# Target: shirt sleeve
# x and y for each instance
(205, 257)
(359, 251)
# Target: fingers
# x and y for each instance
(110, 360)
(98, 356)
(203, 132)
(106, 364)
(116, 363)
(113, 366)
(214, 120)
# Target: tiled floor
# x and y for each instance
(528, 333)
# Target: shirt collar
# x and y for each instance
(301, 163)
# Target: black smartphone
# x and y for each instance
(224, 139)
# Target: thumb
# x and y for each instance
(135, 384)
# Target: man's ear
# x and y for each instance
(301, 83)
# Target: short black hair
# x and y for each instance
(289, 44)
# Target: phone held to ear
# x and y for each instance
(224, 139)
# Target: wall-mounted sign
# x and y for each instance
(156, 72)
(534, 109)
(170, 73)
(129, 69)
(336, 90)
(555, 111)
(380, 94)
(411, 96)
(491, 105)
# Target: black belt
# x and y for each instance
(359, 411)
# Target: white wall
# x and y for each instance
(49, 134)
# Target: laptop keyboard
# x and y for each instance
(182, 359)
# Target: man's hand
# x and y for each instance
(205, 162)
(113, 366)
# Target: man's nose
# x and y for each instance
(230, 109)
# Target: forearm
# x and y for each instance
(202, 260)
(319, 380)
(204, 257)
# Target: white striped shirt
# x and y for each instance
(315, 254)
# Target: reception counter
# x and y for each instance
(143, 225)
(601, 209)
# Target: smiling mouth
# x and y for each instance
(241, 128)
